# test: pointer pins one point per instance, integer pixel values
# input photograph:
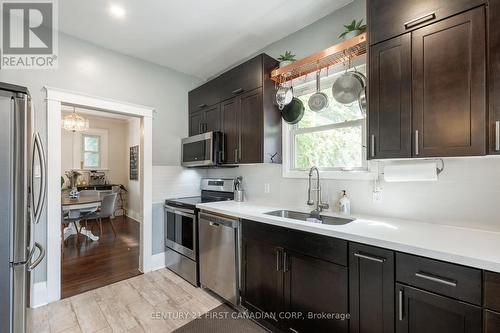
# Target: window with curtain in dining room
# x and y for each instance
(91, 151)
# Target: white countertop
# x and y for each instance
(466, 246)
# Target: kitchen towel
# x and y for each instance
(411, 172)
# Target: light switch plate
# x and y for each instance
(377, 196)
(267, 188)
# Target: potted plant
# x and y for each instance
(353, 29)
(286, 59)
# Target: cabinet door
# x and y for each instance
(389, 92)
(494, 76)
(261, 277)
(212, 118)
(390, 18)
(315, 287)
(251, 127)
(203, 96)
(491, 322)
(449, 80)
(230, 127)
(420, 311)
(371, 285)
(242, 78)
(196, 123)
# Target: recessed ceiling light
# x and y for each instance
(117, 11)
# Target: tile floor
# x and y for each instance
(159, 301)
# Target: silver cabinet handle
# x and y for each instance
(213, 224)
(38, 260)
(202, 105)
(293, 331)
(367, 257)
(497, 135)
(420, 20)
(285, 262)
(278, 260)
(37, 208)
(416, 143)
(372, 145)
(400, 308)
(236, 155)
(433, 278)
(238, 91)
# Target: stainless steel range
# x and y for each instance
(181, 227)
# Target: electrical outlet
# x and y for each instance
(267, 188)
(377, 196)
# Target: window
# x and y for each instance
(91, 151)
(333, 139)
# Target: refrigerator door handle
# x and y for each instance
(38, 260)
(38, 148)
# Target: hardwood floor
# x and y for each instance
(92, 265)
(159, 301)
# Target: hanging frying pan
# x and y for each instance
(319, 100)
(293, 112)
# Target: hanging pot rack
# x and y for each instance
(336, 54)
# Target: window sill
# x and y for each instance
(338, 175)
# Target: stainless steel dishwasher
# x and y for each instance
(219, 255)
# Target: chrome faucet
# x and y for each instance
(319, 204)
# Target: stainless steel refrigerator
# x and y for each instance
(22, 197)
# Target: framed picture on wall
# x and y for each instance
(134, 163)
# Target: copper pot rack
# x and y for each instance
(336, 54)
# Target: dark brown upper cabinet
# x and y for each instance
(207, 119)
(245, 112)
(449, 86)
(494, 76)
(371, 289)
(203, 96)
(427, 91)
(391, 18)
(390, 98)
(242, 78)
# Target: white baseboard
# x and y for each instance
(134, 216)
(38, 294)
(158, 261)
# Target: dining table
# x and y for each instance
(86, 202)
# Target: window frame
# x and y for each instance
(98, 152)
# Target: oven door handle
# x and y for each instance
(180, 211)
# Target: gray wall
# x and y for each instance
(86, 68)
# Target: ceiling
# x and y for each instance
(197, 37)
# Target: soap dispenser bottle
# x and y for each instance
(344, 204)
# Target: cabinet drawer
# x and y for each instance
(203, 96)
(390, 18)
(264, 232)
(318, 246)
(447, 279)
(242, 78)
(492, 291)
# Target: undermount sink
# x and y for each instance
(323, 219)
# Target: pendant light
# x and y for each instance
(75, 123)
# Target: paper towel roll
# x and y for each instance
(411, 172)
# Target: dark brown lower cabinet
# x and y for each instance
(262, 277)
(371, 289)
(420, 311)
(317, 291)
(491, 322)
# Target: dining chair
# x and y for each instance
(106, 211)
(72, 216)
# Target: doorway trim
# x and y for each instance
(55, 98)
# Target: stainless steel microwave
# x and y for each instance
(202, 150)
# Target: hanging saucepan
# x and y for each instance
(319, 100)
(284, 95)
(347, 87)
(293, 112)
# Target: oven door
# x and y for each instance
(198, 150)
(180, 229)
